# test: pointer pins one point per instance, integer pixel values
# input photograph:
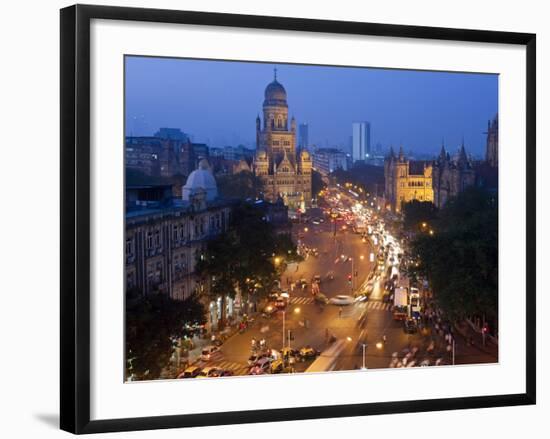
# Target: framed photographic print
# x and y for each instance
(271, 218)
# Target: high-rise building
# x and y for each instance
(303, 136)
(361, 141)
(284, 170)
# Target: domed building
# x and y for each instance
(284, 170)
(200, 181)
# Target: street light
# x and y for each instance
(364, 351)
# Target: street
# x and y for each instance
(330, 248)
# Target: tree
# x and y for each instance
(242, 258)
(317, 183)
(151, 324)
(461, 258)
(417, 213)
(242, 185)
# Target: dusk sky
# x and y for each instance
(217, 102)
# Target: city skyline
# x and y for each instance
(216, 102)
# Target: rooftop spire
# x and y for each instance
(275, 74)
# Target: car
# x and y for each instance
(226, 373)
(261, 367)
(289, 354)
(277, 366)
(208, 352)
(280, 303)
(320, 298)
(209, 372)
(190, 372)
(254, 358)
(341, 299)
(410, 327)
(307, 353)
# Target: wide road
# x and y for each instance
(371, 343)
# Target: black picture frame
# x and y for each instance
(75, 217)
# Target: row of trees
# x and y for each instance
(152, 323)
(247, 258)
(457, 250)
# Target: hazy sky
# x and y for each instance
(217, 102)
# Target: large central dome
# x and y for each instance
(275, 94)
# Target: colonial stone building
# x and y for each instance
(407, 180)
(451, 176)
(284, 170)
(165, 237)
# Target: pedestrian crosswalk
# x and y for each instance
(375, 305)
(383, 306)
(301, 300)
(236, 368)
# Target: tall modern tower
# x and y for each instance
(303, 136)
(361, 149)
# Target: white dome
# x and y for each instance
(200, 180)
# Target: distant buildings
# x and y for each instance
(285, 170)
(171, 134)
(167, 154)
(361, 147)
(327, 160)
(303, 136)
(235, 153)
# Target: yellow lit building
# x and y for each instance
(407, 180)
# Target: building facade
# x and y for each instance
(327, 160)
(285, 170)
(165, 238)
(361, 148)
(407, 180)
(451, 175)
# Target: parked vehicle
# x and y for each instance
(190, 372)
(261, 367)
(209, 372)
(307, 353)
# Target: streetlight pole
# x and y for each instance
(364, 350)
(453, 351)
(284, 334)
(352, 274)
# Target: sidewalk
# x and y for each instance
(476, 339)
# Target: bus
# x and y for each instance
(327, 360)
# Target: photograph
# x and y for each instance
(295, 218)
